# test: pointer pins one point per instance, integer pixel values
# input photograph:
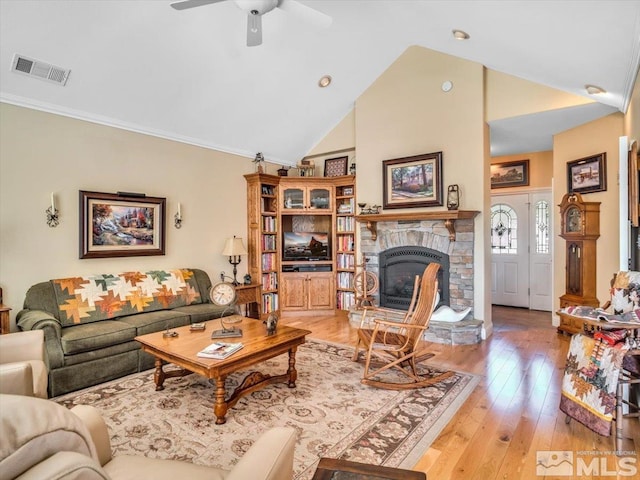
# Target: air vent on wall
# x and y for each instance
(41, 70)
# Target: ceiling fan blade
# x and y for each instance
(309, 14)
(254, 30)
(192, 4)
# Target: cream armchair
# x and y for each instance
(22, 367)
(43, 440)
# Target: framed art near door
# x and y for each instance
(121, 225)
(510, 174)
(587, 175)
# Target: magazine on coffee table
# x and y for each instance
(220, 350)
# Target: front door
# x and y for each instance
(521, 257)
(510, 250)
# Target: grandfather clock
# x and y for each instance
(580, 227)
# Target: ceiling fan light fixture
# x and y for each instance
(324, 81)
(460, 35)
(594, 89)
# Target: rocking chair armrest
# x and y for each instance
(389, 323)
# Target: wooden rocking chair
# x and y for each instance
(397, 344)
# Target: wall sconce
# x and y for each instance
(233, 248)
(453, 197)
(53, 217)
(177, 218)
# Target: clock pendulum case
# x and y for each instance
(580, 227)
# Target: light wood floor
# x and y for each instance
(513, 412)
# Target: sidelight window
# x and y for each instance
(542, 226)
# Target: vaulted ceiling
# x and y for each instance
(189, 76)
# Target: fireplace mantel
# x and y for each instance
(448, 216)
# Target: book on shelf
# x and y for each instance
(220, 350)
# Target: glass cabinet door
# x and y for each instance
(293, 198)
(319, 199)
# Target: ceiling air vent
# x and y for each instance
(42, 70)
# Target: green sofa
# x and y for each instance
(90, 322)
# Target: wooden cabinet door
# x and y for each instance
(306, 198)
(321, 291)
(307, 291)
(293, 291)
(574, 272)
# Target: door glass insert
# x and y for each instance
(542, 226)
(504, 229)
(293, 198)
(319, 198)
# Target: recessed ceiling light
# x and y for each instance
(325, 81)
(460, 35)
(594, 90)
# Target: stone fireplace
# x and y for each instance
(432, 236)
(408, 242)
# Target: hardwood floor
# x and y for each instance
(513, 413)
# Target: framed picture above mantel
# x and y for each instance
(121, 225)
(413, 181)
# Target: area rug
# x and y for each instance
(333, 413)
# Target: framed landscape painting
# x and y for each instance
(587, 175)
(510, 174)
(121, 225)
(413, 181)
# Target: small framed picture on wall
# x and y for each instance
(588, 174)
(336, 167)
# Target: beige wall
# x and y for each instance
(342, 136)
(405, 112)
(595, 137)
(509, 96)
(540, 170)
(42, 153)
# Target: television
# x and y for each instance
(305, 246)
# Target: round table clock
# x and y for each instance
(222, 294)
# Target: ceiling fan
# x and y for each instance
(256, 8)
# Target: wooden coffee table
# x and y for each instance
(181, 350)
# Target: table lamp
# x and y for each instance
(233, 248)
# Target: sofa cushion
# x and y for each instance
(96, 335)
(99, 297)
(625, 292)
(155, 321)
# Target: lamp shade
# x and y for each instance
(234, 247)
